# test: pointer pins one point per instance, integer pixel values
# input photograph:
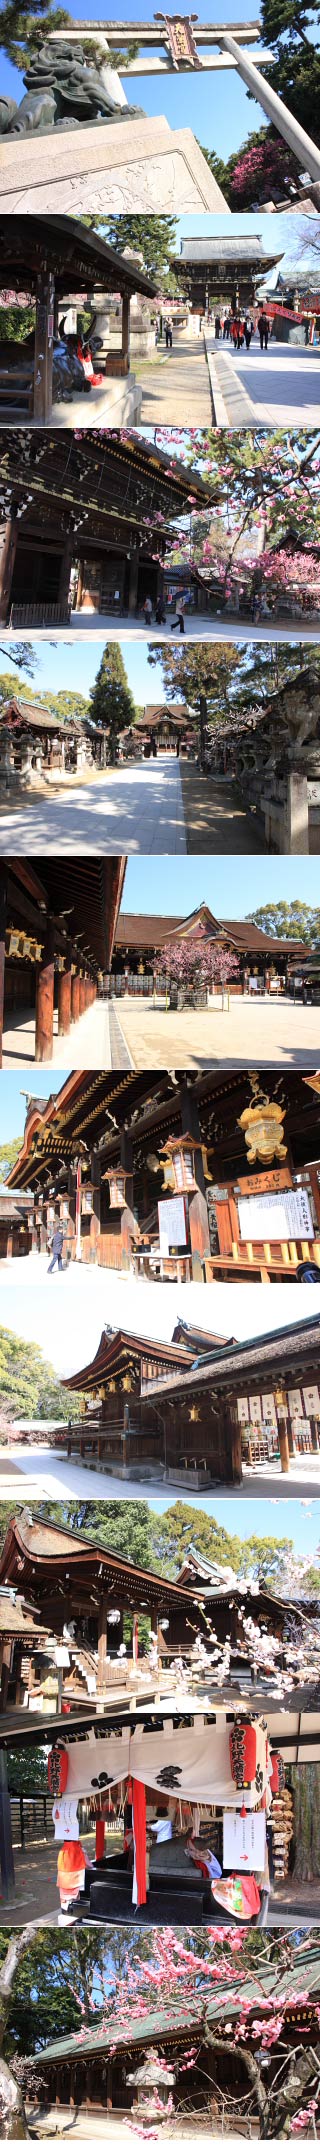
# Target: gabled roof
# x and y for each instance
(154, 931)
(116, 1349)
(246, 1363)
(35, 1547)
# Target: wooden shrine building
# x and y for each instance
(235, 1403)
(85, 522)
(140, 940)
(109, 2067)
(161, 728)
(54, 260)
(59, 1585)
(242, 1161)
(222, 271)
(57, 927)
(35, 742)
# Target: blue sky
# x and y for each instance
(50, 1313)
(298, 1519)
(216, 107)
(230, 893)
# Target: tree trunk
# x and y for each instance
(223, 2043)
(13, 2124)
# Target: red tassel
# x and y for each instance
(140, 1839)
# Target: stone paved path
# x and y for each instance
(283, 383)
(176, 386)
(267, 1034)
(136, 808)
(88, 1043)
(215, 816)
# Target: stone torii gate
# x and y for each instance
(183, 40)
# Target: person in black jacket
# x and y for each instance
(56, 1249)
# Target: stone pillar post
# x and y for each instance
(45, 998)
(297, 813)
(300, 142)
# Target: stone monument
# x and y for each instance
(117, 158)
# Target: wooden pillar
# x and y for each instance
(45, 998)
(6, 1850)
(64, 995)
(8, 544)
(127, 1217)
(198, 1213)
(125, 344)
(284, 1446)
(43, 350)
(82, 993)
(102, 1637)
(65, 569)
(75, 997)
(100, 1834)
(236, 1449)
(133, 582)
(3, 921)
(95, 1227)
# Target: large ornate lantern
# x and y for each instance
(179, 1155)
(262, 1124)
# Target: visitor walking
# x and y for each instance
(217, 327)
(263, 330)
(147, 611)
(248, 330)
(160, 612)
(56, 1249)
(226, 327)
(178, 621)
(168, 332)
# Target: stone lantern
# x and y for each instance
(153, 2083)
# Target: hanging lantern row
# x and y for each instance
(24, 948)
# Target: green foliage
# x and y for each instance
(111, 701)
(8, 1156)
(27, 1771)
(23, 29)
(289, 921)
(201, 668)
(123, 1525)
(28, 1385)
(155, 237)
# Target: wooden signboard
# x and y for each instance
(266, 1181)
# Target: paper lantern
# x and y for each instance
(58, 1764)
(243, 1754)
(277, 1778)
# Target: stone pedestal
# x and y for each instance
(141, 165)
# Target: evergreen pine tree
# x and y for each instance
(111, 701)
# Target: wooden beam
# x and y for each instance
(43, 350)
